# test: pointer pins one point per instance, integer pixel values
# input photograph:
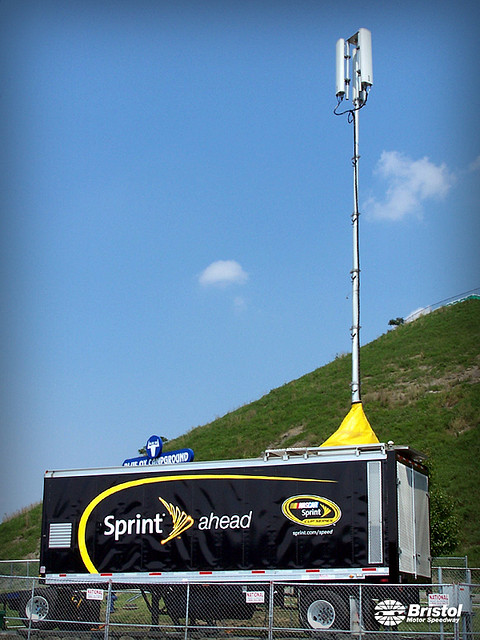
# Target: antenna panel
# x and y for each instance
(365, 57)
(340, 68)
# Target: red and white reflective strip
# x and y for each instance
(332, 575)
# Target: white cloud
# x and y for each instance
(409, 184)
(475, 165)
(223, 273)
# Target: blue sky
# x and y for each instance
(176, 202)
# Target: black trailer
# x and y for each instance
(308, 516)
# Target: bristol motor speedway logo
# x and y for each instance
(391, 613)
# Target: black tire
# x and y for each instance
(38, 610)
(175, 600)
(322, 610)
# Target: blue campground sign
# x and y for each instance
(156, 457)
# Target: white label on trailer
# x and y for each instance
(255, 596)
(94, 594)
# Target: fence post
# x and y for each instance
(31, 611)
(187, 605)
(440, 590)
(467, 616)
(456, 626)
(360, 611)
(271, 596)
(107, 613)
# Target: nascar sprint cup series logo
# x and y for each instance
(312, 511)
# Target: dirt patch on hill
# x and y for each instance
(406, 391)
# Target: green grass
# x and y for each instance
(420, 387)
(20, 534)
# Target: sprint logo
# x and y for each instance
(181, 521)
(119, 527)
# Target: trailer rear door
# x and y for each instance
(413, 519)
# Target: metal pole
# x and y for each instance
(187, 611)
(440, 590)
(271, 597)
(29, 612)
(355, 273)
(108, 611)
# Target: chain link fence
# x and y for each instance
(187, 611)
(23, 568)
(454, 569)
(461, 297)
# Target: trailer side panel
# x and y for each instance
(281, 517)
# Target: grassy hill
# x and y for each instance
(420, 387)
(20, 534)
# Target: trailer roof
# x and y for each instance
(306, 455)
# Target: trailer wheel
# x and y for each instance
(175, 601)
(323, 610)
(37, 610)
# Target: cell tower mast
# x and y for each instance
(354, 74)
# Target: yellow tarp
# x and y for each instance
(355, 429)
